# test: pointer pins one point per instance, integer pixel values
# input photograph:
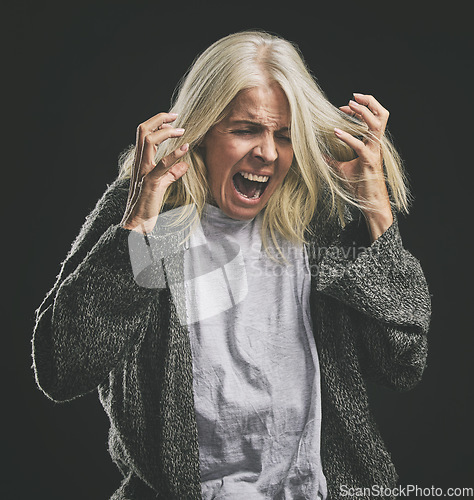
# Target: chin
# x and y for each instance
(241, 213)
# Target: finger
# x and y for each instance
(169, 169)
(357, 145)
(154, 175)
(350, 112)
(168, 161)
(151, 143)
(161, 120)
(155, 123)
(372, 121)
(171, 175)
(347, 110)
(178, 170)
(332, 162)
(371, 103)
(160, 174)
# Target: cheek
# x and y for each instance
(223, 160)
(213, 161)
(221, 155)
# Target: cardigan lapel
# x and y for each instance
(179, 439)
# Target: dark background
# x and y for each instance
(78, 79)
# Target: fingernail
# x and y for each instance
(179, 130)
(356, 94)
(338, 131)
(353, 102)
(184, 147)
(174, 115)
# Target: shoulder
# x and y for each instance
(113, 199)
(118, 189)
(108, 210)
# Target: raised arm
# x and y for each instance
(96, 312)
(380, 280)
(385, 287)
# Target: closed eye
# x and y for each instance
(251, 132)
(243, 132)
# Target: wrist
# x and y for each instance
(143, 226)
(378, 221)
(143, 214)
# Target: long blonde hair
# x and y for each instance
(203, 98)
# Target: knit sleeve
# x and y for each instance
(95, 311)
(385, 284)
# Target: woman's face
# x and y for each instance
(249, 153)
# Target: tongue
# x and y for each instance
(245, 186)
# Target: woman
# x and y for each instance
(230, 346)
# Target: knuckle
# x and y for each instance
(149, 180)
(148, 140)
(170, 131)
(142, 129)
(161, 118)
(161, 163)
(147, 183)
(145, 180)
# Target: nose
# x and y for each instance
(266, 150)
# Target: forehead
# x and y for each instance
(265, 104)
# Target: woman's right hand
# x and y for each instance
(149, 182)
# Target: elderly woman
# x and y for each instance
(230, 346)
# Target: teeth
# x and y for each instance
(257, 194)
(254, 177)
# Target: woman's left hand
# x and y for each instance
(365, 173)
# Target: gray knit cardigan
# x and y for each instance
(98, 329)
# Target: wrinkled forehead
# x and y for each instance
(267, 105)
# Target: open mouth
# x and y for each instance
(250, 186)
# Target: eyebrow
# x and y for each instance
(256, 124)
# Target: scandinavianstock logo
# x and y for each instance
(207, 277)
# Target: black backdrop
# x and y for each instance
(79, 78)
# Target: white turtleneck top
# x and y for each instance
(255, 364)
